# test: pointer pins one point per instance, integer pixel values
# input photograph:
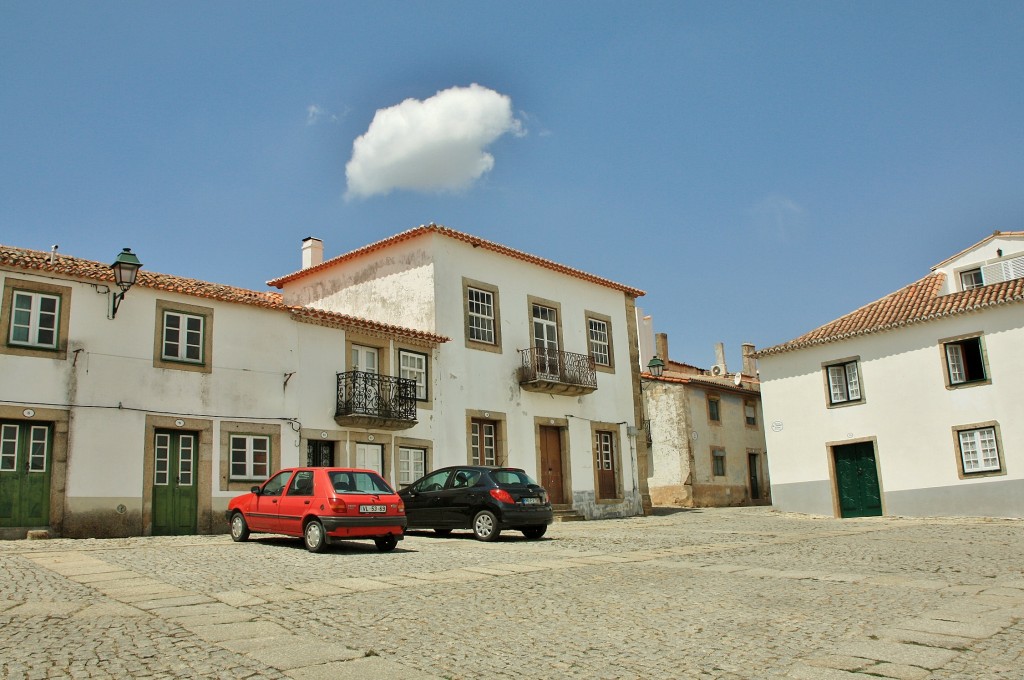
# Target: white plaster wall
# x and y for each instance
(666, 408)
(394, 287)
(907, 406)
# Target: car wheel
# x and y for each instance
(315, 537)
(386, 543)
(485, 526)
(533, 533)
(442, 532)
(239, 529)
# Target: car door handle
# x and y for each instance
(305, 502)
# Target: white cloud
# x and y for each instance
(437, 144)
(314, 114)
(778, 216)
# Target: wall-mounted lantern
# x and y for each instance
(656, 367)
(126, 269)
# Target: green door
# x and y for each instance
(174, 488)
(24, 474)
(857, 480)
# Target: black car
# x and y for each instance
(478, 497)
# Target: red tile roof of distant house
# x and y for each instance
(917, 303)
(476, 242)
(74, 267)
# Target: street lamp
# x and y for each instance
(656, 366)
(126, 269)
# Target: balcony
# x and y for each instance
(379, 401)
(554, 372)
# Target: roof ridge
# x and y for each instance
(475, 241)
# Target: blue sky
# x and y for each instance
(758, 168)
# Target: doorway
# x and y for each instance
(754, 468)
(857, 480)
(551, 463)
(25, 454)
(175, 497)
(319, 453)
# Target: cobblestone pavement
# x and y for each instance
(717, 593)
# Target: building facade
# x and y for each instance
(542, 369)
(149, 421)
(428, 349)
(706, 434)
(910, 405)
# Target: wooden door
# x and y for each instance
(175, 494)
(25, 474)
(551, 463)
(857, 480)
(755, 477)
(606, 465)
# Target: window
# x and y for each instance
(34, 319)
(965, 361)
(843, 383)
(481, 315)
(413, 365)
(302, 484)
(250, 457)
(412, 464)
(979, 450)
(971, 279)
(718, 462)
(714, 409)
(600, 342)
(750, 412)
(183, 337)
(484, 442)
(545, 340)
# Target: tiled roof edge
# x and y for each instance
(466, 238)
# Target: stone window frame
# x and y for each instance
(958, 452)
(500, 435)
(607, 320)
(203, 366)
(11, 285)
(228, 428)
(467, 284)
(983, 356)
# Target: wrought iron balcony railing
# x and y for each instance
(547, 370)
(372, 399)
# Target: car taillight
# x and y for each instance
(502, 496)
(401, 507)
(338, 505)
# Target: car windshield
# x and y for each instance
(512, 478)
(358, 482)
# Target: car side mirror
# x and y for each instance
(256, 490)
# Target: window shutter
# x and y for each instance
(852, 381)
(836, 379)
(955, 361)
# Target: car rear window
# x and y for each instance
(512, 478)
(359, 482)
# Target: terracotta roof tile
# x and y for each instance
(74, 267)
(917, 303)
(459, 236)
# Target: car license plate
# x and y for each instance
(373, 508)
(531, 501)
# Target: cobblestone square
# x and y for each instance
(711, 593)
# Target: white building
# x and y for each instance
(910, 405)
(542, 370)
(150, 421)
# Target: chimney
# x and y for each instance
(312, 252)
(720, 355)
(749, 362)
(661, 346)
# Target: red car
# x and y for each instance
(319, 504)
